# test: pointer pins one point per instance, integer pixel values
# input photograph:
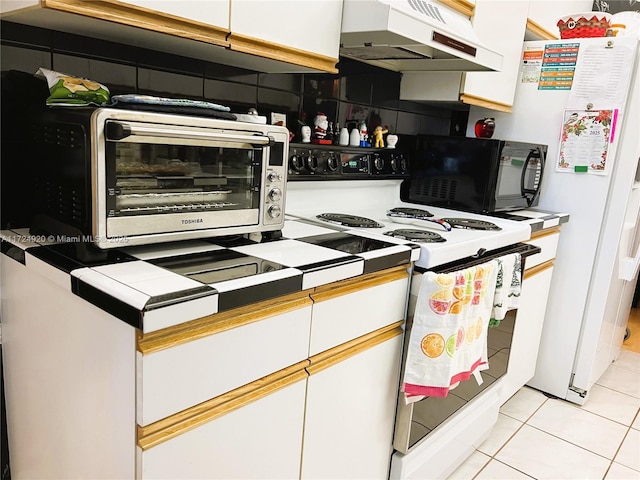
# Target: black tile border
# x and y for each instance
(326, 264)
(106, 302)
(12, 251)
(259, 292)
(173, 298)
(387, 261)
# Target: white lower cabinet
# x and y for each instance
(262, 439)
(527, 332)
(274, 408)
(351, 412)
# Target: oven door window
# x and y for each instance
(161, 171)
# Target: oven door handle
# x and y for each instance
(117, 131)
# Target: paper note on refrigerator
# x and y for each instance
(585, 139)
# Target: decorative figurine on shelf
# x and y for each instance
(364, 135)
(320, 126)
(392, 140)
(305, 133)
(378, 132)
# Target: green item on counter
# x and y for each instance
(73, 91)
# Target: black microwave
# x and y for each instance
(475, 174)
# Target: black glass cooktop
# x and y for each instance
(216, 266)
(347, 243)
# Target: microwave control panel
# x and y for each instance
(331, 162)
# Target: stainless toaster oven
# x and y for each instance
(116, 176)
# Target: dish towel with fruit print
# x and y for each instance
(448, 338)
(508, 287)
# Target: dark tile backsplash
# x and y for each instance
(358, 92)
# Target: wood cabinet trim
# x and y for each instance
(485, 103)
(263, 48)
(529, 272)
(539, 31)
(181, 422)
(220, 322)
(461, 6)
(345, 287)
(140, 17)
(545, 232)
(328, 358)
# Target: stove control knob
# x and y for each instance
(297, 162)
(274, 211)
(398, 164)
(378, 162)
(332, 162)
(275, 194)
(312, 163)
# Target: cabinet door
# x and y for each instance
(309, 36)
(351, 412)
(262, 439)
(345, 311)
(527, 330)
(210, 12)
(182, 366)
(500, 26)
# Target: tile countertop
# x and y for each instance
(131, 285)
(536, 218)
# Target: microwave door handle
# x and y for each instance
(116, 131)
(534, 153)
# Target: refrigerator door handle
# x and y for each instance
(627, 265)
(628, 268)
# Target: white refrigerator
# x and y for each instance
(592, 82)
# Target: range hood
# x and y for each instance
(413, 35)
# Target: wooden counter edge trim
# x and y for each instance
(545, 232)
(328, 358)
(485, 103)
(144, 18)
(181, 422)
(539, 31)
(529, 272)
(460, 6)
(219, 322)
(262, 48)
(351, 285)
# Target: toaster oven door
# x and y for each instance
(160, 179)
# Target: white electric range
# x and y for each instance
(373, 199)
(362, 184)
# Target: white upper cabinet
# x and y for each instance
(500, 26)
(274, 36)
(543, 16)
(210, 12)
(306, 32)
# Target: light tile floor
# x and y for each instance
(545, 438)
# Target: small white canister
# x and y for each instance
(354, 138)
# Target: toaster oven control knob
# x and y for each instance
(273, 177)
(297, 162)
(274, 211)
(312, 163)
(378, 162)
(275, 194)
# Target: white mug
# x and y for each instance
(391, 141)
